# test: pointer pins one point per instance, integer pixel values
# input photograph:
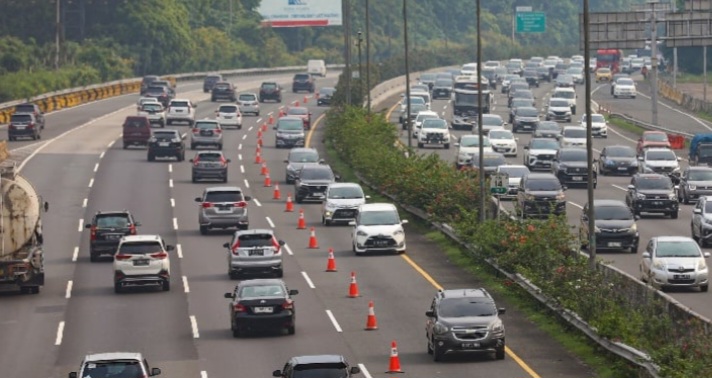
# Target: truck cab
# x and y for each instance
(701, 149)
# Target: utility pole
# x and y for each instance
(589, 140)
(360, 68)
(704, 72)
(653, 62)
(409, 124)
(346, 14)
(368, 57)
(229, 26)
(57, 31)
(480, 132)
(674, 67)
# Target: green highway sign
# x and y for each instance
(531, 22)
(498, 190)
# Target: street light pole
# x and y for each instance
(409, 124)
(653, 62)
(589, 141)
(480, 132)
(368, 57)
(346, 14)
(57, 31)
(360, 68)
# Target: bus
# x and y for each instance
(610, 58)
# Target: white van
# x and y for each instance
(568, 94)
(316, 67)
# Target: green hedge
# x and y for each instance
(539, 250)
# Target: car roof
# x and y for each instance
(318, 359)
(465, 293)
(291, 117)
(377, 206)
(253, 231)
(574, 127)
(344, 185)
(541, 176)
(261, 282)
(672, 238)
(609, 202)
(223, 189)
(209, 152)
(140, 238)
(303, 149)
(113, 356)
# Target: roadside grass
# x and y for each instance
(586, 351)
(627, 126)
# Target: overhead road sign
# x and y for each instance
(616, 30)
(298, 13)
(531, 22)
(523, 9)
(688, 29)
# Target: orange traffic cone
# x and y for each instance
(264, 170)
(264, 127)
(259, 134)
(277, 194)
(353, 287)
(371, 322)
(331, 263)
(268, 181)
(313, 244)
(289, 207)
(296, 103)
(259, 142)
(306, 99)
(258, 150)
(301, 224)
(281, 112)
(258, 158)
(394, 365)
(271, 120)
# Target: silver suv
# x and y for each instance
(209, 165)
(254, 251)
(117, 364)
(342, 202)
(464, 321)
(206, 133)
(222, 207)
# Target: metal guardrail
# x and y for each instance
(649, 126)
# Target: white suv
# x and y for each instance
(181, 110)
(378, 227)
(229, 115)
(116, 364)
(342, 202)
(659, 160)
(568, 94)
(434, 132)
(142, 260)
(599, 128)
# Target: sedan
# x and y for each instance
(617, 160)
(260, 305)
(674, 261)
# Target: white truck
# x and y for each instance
(21, 253)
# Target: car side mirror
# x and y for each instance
(137, 224)
(646, 255)
(228, 295)
(430, 313)
(502, 310)
(73, 374)
(367, 197)
(337, 177)
(355, 370)
(631, 187)
(352, 223)
(564, 188)
(457, 144)
(697, 211)
(286, 161)
(274, 127)
(679, 158)
(155, 371)
(281, 242)
(228, 160)
(226, 245)
(706, 254)
(170, 247)
(248, 198)
(88, 225)
(276, 373)
(293, 292)
(404, 221)
(198, 199)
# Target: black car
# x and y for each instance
(317, 366)
(23, 125)
(146, 82)
(540, 194)
(210, 81)
(652, 193)
(296, 160)
(516, 104)
(325, 96)
(33, 109)
(491, 161)
(547, 129)
(166, 143)
(223, 90)
(615, 226)
(312, 181)
(464, 321)
(303, 82)
(532, 77)
(160, 93)
(442, 88)
(571, 167)
(106, 230)
(261, 305)
(695, 182)
(270, 91)
(514, 87)
(617, 160)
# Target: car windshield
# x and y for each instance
(544, 185)
(624, 82)
(517, 103)
(112, 221)
(25, 108)
(422, 117)
(155, 90)
(564, 78)
(575, 133)
(424, 96)
(435, 124)
(255, 240)
(257, 291)
(543, 144)
(573, 71)
(660, 155)
(596, 118)
(269, 86)
(316, 370)
(558, 104)
(179, 104)
(415, 100)
(152, 106)
(492, 120)
(620, 152)
(604, 70)
(316, 174)
(247, 97)
(655, 183)
(443, 83)
(564, 94)
(327, 91)
(415, 108)
(216, 196)
(465, 307)
(501, 134)
(210, 156)
(206, 125)
(700, 175)
(290, 125)
(378, 218)
(655, 137)
(222, 86)
(168, 134)
(303, 157)
(514, 171)
(573, 155)
(523, 93)
(473, 141)
(213, 78)
(301, 77)
(116, 368)
(21, 118)
(227, 109)
(298, 111)
(140, 248)
(490, 161)
(527, 112)
(682, 248)
(345, 192)
(548, 126)
(621, 212)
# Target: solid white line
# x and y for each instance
(170, 168)
(179, 251)
(242, 169)
(681, 112)
(96, 167)
(239, 156)
(239, 146)
(170, 183)
(68, 293)
(194, 327)
(81, 225)
(247, 184)
(60, 334)
(101, 155)
(333, 321)
(271, 224)
(175, 223)
(257, 202)
(289, 250)
(575, 204)
(203, 374)
(84, 202)
(186, 287)
(173, 202)
(619, 187)
(244, 137)
(364, 371)
(75, 254)
(91, 183)
(309, 281)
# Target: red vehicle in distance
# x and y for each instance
(610, 58)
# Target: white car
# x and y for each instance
(576, 74)
(434, 131)
(142, 260)
(674, 261)
(625, 87)
(229, 115)
(659, 160)
(558, 109)
(378, 227)
(403, 106)
(636, 64)
(503, 141)
(249, 103)
(425, 95)
(144, 100)
(573, 136)
(492, 64)
(539, 153)
(102, 364)
(422, 116)
(342, 202)
(568, 94)
(181, 110)
(469, 69)
(154, 112)
(599, 128)
(469, 146)
(514, 178)
(577, 58)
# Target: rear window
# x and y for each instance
(156, 90)
(165, 135)
(213, 78)
(247, 97)
(290, 124)
(298, 111)
(210, 157)
(255, 240)
(301, 77)
(227, 109)
(140, 248)
(21, 118)
(269, 85)
(105, 369)
(206, 125)
(152, 106)
(273, 291)
(222, 86)
(180, 104)
(330, 370)
(112, 221)
(224, 196)
(135, 122)
(25, 108)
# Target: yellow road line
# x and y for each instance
(421, 271)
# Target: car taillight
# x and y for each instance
(159, 255)
(195, 162)
(217, 131)
(132, 229)
(207, 205)
(196, 130)
(121, 257)
(11, 126)
(288, 305)
(93, 233)
(239, 308)
(240, 204)
(234, 247)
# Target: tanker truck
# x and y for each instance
(21, 255)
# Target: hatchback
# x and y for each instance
(254, 251)
(206, 133)
(378, 227)
(229, 115)
(222, 207)
(209, 165)
(674, 261)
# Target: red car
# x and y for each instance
(652, 139)
(302, 113)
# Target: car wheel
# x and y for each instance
(298, 199)
(192, 146)
(194, 179)
(117, 288)
(325, 221)
(429, 348)
(447, 146)
(499, 353)
(673, 215)
(437, 353)
(291, 330)
(634, 248)
(166, 285)
(151, 157)
(203, 230)
(279, 273)
(220, 147)
(704, 288)
(701, 241)
(224, 180)
(420, 145)
(236, 332)
(93, 257)
(685, 199)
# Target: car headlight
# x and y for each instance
(497, 327)
(561, 196)
(701, 265)
(640, 196)
(440, 329)
(398, 233)
(672, 196)
(529, 197)
(659, 265)
(633, 228)
(691, 187)
(361, 233)
(596, 229)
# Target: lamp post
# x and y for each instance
(589, 141)
(346, 15)
(57, 31)
(480, 132)
(368, 57)
(360, 68)
(409, 124)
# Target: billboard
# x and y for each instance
(296, 13)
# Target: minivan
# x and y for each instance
(136, 131)
(316, 67)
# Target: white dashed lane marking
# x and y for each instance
(175, 223)
(309, 281)
(179, 251)
(81, 225)
(333, 321)
(75, 254)
(194, 327)
(271, 224)
(60, 334)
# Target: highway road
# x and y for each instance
(186, 331)
(609, 187)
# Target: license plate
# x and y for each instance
(140, 262)
(263, 310)
(577, 178)
(381, 243)
(658, 203)
(622, 168)
(256, 252)
(615, 244)
(470, 345)
(113, 237)
(164, 144)
(681, 276)
(20, 127)
(227, 117)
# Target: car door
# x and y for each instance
(698, 217)
(682, 185)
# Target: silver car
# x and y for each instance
(222, 207)
(342, 202)
(209, 165)
(254, 251)
(206, 133)
(290, 132)
(674, 261)
(296, 159)
(248, 103)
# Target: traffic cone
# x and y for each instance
(306, 99)
(353, 287)
(277, 194)
(289, 207)
(331, 262)
(258, 150)
(264, 127)
(271, 120)
(259, 142)
(281, 112)
(313, 244)
(268, 181)
(258, 158)
(296, 103)
(259, 134)
(263, 170)
(371, 322)
(394, 365)
(301, 224)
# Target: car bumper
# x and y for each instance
(657, 206)
(535, 164)
(223, 96)
(230, 122)
(697, 193)
(620, 170)
(249, 109)
(364, 244)
(205, 141)
(559, 117)
(242, 265)
(451, 345)
(209, 172)
(297, 142)
(341, 215)
(506, 150)
(664, 278)
(141, 279)
(574, 178)
(179, 118)
(544, 208)
(264, 322)
(22, 132)
(624, 94)
(599, 131)
(616, 241)
(225, 222)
